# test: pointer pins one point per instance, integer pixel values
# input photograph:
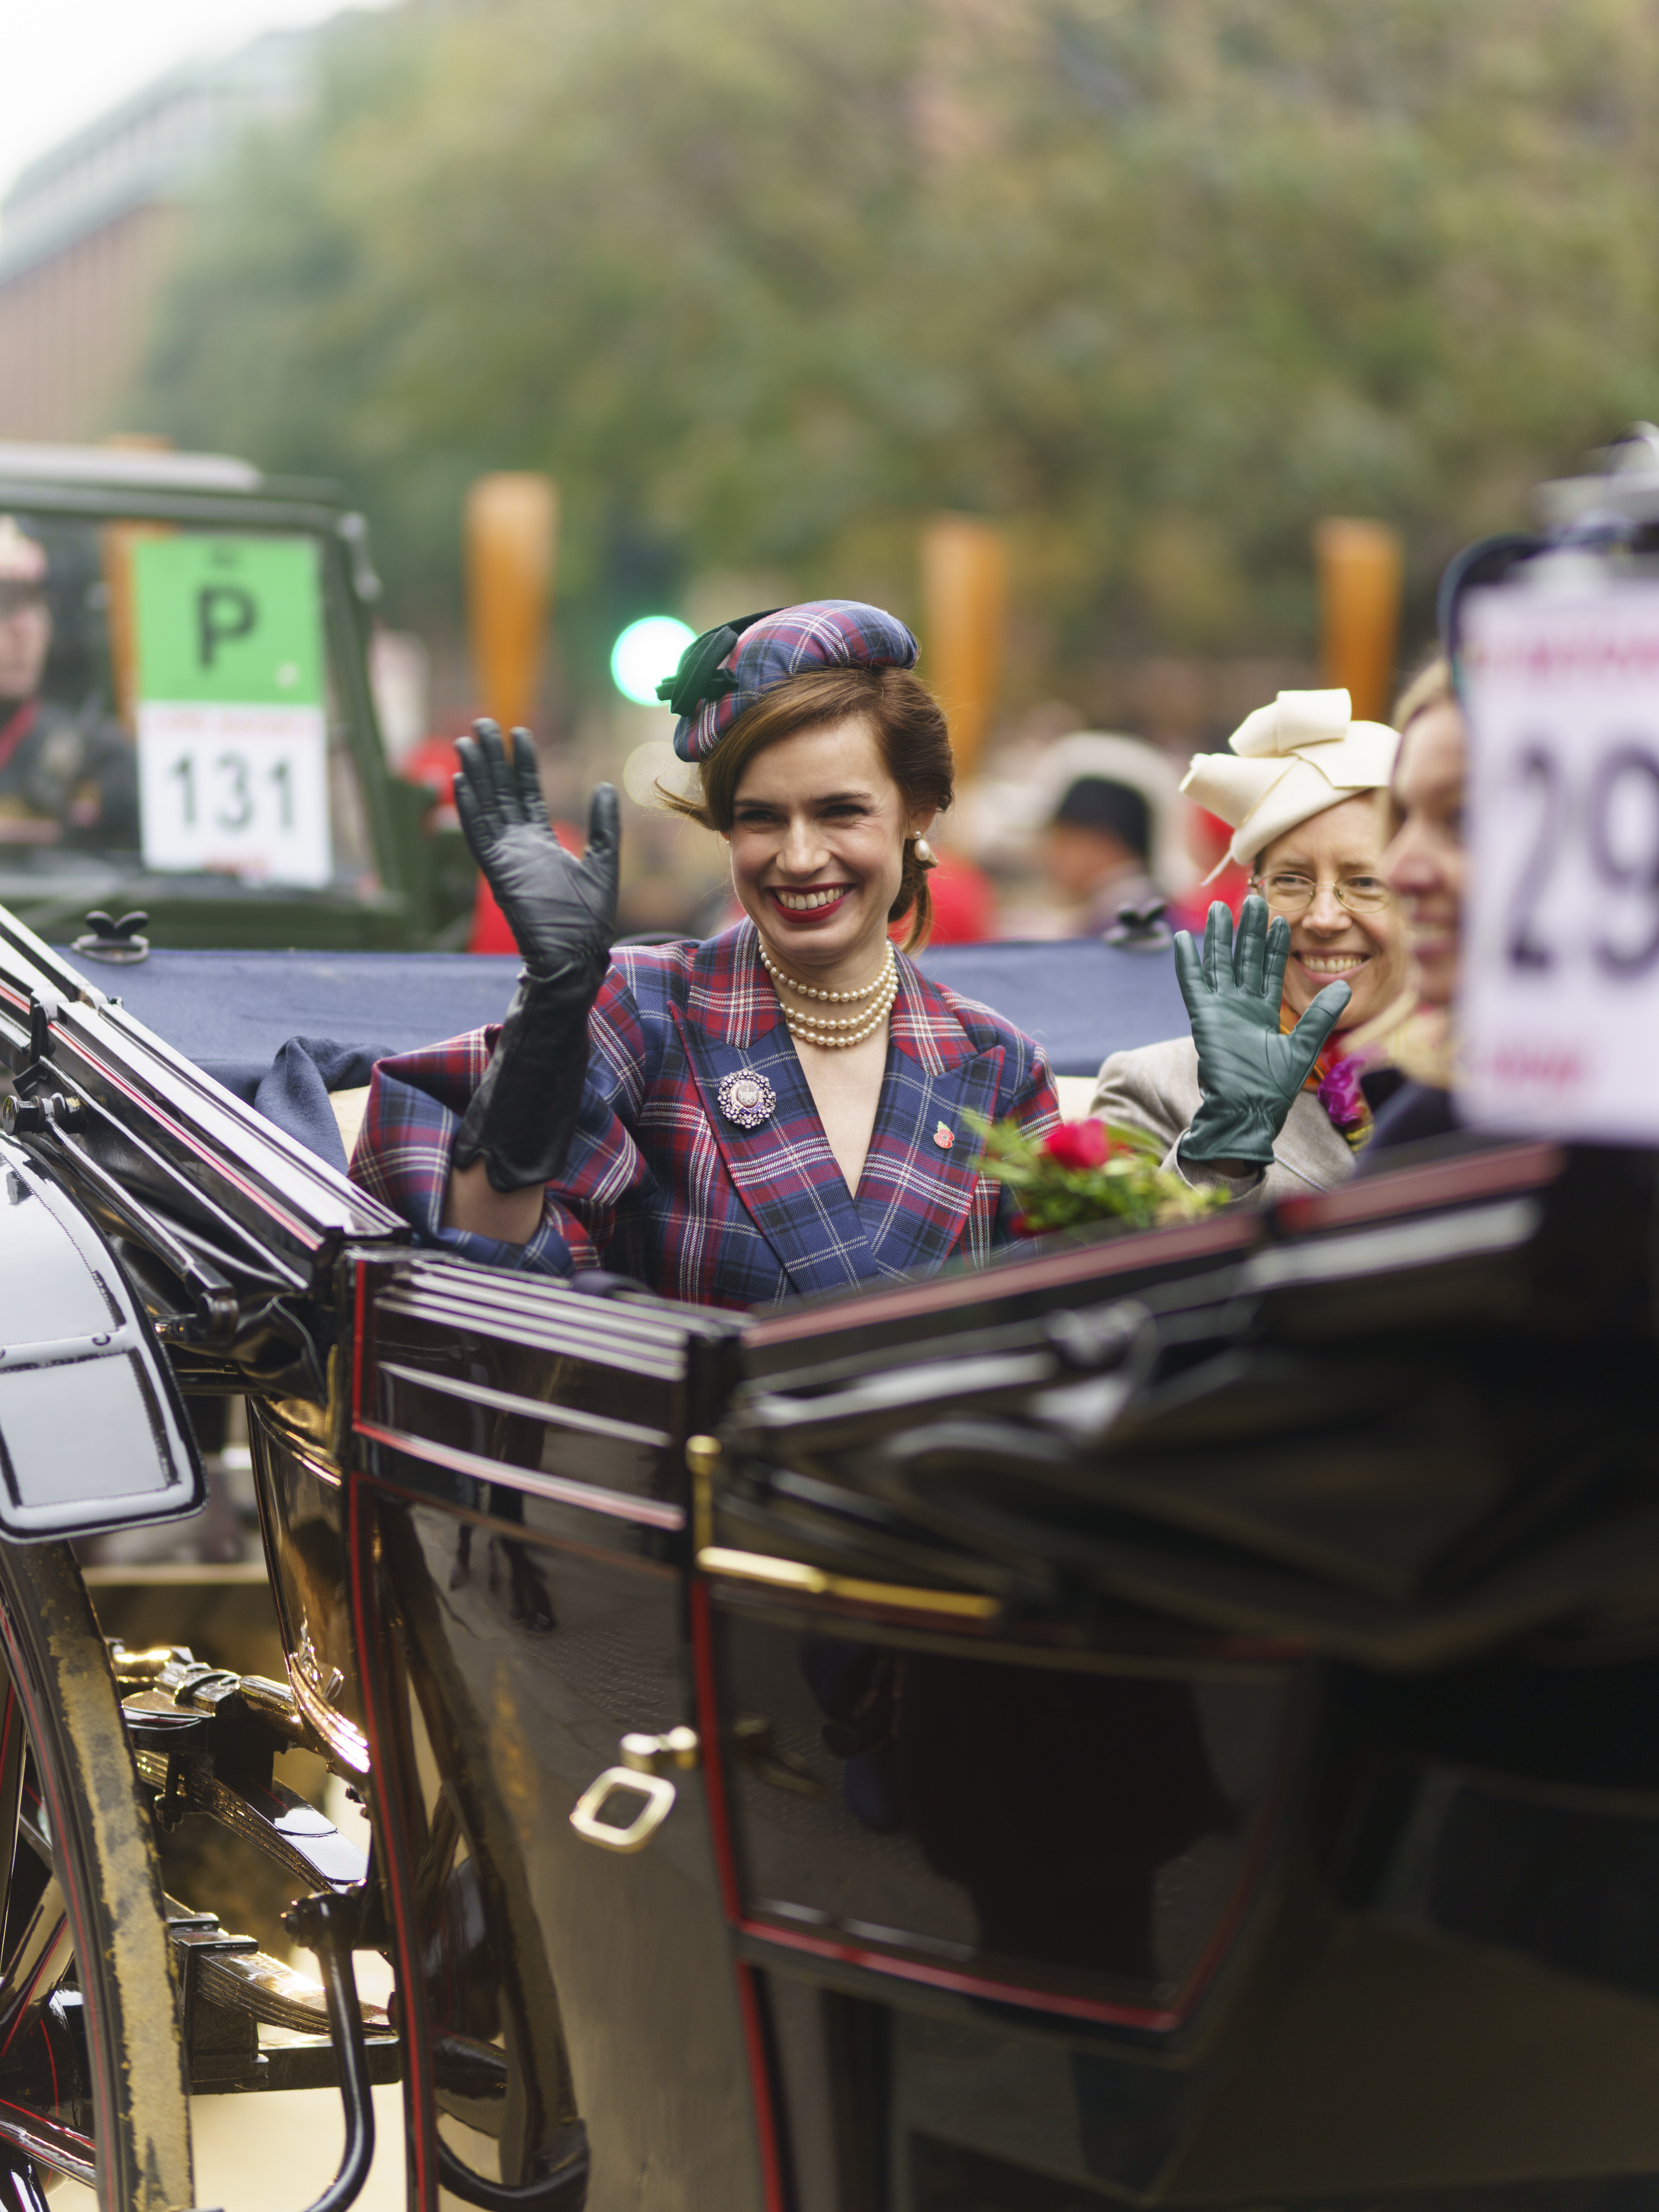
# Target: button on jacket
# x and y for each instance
(662, 1186)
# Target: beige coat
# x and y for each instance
(1155, 1088)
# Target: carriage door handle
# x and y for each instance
(642, 1774)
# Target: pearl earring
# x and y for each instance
(924, 853)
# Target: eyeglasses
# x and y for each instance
(1288, 894)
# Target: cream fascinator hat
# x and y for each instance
(1288, 761)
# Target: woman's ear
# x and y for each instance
(922, 823)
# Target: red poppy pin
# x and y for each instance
(943, 1137)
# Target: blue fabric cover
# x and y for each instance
(270, 1026)
(293, 1092)
(282, 1030)
(1079, 998)
(239, 1008)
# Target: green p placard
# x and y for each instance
(228, 621)
(233, 746)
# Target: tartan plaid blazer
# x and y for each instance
(661, 1186)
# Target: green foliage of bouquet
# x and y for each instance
(1087, 1171)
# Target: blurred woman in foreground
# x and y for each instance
(1427, 867)
(1263, 1098)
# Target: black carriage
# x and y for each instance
(1161, 1719)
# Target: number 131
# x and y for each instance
(237, 806)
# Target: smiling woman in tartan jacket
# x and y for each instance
(780, 1110)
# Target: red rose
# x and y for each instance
(1078, 1145)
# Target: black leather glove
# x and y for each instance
(1248, 1072)
(562, 913)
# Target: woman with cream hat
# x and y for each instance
(1263, 1097)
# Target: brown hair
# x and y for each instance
(902, 715)
(1431, 686)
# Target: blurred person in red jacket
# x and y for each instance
(1208, 838)
(964, 902)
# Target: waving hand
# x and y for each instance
(563, 912)
(1248, 1072)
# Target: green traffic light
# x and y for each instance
(647, 650)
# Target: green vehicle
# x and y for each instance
(186, 724)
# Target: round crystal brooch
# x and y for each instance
(746, 1098)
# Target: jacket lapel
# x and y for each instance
(917, 1190)
(783, 1170)
(915, 1193)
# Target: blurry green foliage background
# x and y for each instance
(1154, 282)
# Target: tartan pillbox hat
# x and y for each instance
(729, 667)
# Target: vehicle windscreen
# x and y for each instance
(169, 709)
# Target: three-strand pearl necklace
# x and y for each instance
(810, 1027)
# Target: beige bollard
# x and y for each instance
(1360, 565)
(964, 579)
(511, 532)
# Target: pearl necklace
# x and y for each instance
(837, 998)
(836, 1030)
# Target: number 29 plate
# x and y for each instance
(1559, 1018)
(232, 790)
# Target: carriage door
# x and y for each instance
(519, 1523)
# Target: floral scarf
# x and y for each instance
(1334, 1081)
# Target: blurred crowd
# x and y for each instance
(1080, 834)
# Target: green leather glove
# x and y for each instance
(1248, 1074)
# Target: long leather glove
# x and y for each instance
(562, 913)
(1249, 1074)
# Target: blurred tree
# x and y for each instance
(1157, 282)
